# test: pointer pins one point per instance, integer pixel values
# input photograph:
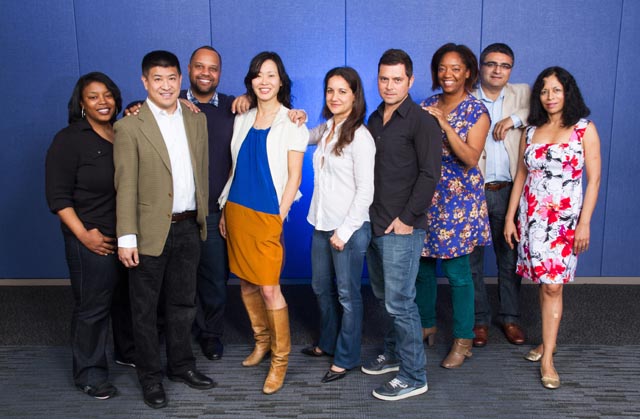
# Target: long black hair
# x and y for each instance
(574, 107)
(75, 107)
(284, 94)
(358, 111)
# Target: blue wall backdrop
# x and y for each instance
(46, 45)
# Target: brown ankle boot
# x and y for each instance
(429, 334)
(460, 350)
(280, 348)
(254, 303)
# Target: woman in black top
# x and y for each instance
(80, 190)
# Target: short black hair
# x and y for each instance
(208, 48)
(468, 58)
(284, 93)
(497, 47)
(159, 58)
(397, 56)
(74, 106)
(574, 107)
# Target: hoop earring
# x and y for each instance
(83, 114)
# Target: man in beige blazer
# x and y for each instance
(508, 106)
(161, 179)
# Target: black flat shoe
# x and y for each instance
(333, 376)
(313, 351)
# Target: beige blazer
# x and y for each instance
(516, 101)
(143, 180)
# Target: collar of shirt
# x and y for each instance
(402, 110)
(486, 99)
(191, 98)
(161, 113)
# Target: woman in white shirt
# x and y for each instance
(343, 191)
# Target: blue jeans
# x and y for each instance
(340, 302)
(213, 275)
(393, 262)
(94, 281)
(508, 281)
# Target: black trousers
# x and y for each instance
(213, 275)
(172, 275)
(97, 283)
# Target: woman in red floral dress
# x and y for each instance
(553, 221)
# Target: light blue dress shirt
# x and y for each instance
(497, 164)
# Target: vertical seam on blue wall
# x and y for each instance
(75, 29)
(613, 112)
(481, 25)
(210, 25)
(345, 32)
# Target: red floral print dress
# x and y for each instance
(549, 208)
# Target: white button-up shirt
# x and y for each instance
(342, 185)
(175, 138)
(184, 186)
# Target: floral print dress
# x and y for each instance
(457, 219)
(549, 208)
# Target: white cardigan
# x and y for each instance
(284, 136)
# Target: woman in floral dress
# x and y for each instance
(553, 221)
(458, 218)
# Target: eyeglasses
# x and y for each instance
(493, 64)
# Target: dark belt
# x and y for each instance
(181, 216)
(496, 186)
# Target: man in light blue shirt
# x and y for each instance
(508, 106)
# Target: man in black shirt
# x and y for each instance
(408, 159)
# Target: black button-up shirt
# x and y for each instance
(79, 174)
(408, 164)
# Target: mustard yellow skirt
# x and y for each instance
(254, 244)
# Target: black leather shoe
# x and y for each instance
(333, 376)
(194, 379)
(212, 348)
(154, 395)
(313, 351)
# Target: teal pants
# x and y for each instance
(458, 272)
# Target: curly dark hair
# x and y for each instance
(574, 106)
(468, 58)
(356, 117)
(74, 106)
(284, 94)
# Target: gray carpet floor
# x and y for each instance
(598, 362)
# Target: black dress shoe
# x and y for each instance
(333, 376)
(212, 348)
(313, 351)
(194, 379)
(154, 395)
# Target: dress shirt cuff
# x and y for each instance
(345, 232)
(128, 241)
(517, 122)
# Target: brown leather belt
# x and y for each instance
(181, 216)
(496, 186)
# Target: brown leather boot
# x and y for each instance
(429, 335)
(460, 350)
(257, 311)
(280, 348)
